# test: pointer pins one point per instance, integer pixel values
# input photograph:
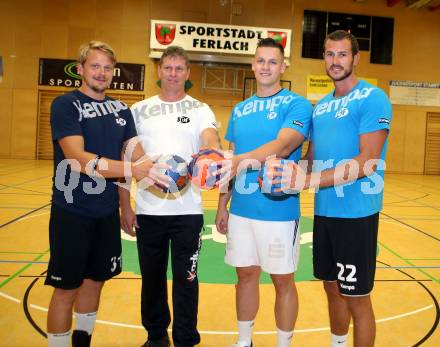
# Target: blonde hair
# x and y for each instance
(98, 45)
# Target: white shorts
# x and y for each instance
(274, 246)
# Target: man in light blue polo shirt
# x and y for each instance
(346, 164)
(262, 230)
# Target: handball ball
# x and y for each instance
(264, 182)
(202, 166)
(178, 173)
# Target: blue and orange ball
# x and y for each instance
(202, 167)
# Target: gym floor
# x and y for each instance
(405, 297)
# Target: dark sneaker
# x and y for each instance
(162, 342)
(81, 338)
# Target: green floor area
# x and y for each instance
(212, 268)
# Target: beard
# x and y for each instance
(347, 73)
(97, 88)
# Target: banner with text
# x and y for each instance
(415, 93)
(214, 38)
(63, 73)
(319, 86)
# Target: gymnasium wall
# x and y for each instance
(30, 29)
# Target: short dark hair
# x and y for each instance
(270, 42)
(340, 35)
(174, 51)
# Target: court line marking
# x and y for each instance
(37, 192)
(24, 182)
(10, 297)
(436, 280)
(417, 184)
(417, 219)
(21, 207)
(401, 224)
(24, 216)
(35, 215)
(23, 262)
(311, 280)
(20, 252)
(19, 170)
(208, 332)
(234, 333)
(392, 204)
(409, 226)
(24, 268)
(378, 267)
(414, 199)
(399, 267)
(21, 194)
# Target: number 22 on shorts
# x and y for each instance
(351, 275)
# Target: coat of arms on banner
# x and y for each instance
(165, 33)
(279, 36)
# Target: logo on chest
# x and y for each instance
(183, 119)
(121, 121)
(343, 112)
(272, 115)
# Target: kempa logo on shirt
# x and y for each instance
(145, 111)
(336, 104)
(272, 115)
(183, 119)
(342, 113)
(259, 105)
(56, 278)
(298, 123)
(120, 121)
(98, 109)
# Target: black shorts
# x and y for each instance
(82, 247)
(344, 250)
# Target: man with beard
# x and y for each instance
(346, 165)
(89, 132)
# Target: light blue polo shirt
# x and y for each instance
(253, 123)
(336, 128)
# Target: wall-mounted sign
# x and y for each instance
(214, 38)
(319, 86)
(62, 73)
(415, 93)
